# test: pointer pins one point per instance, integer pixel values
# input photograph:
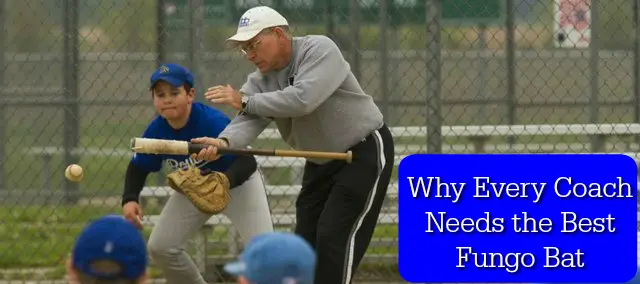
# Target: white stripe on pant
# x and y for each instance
(180, 221)
(370, 199)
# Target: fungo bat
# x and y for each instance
(176, 147)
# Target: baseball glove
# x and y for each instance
(209, 192)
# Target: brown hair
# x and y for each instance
(186, 87)
(104, 266)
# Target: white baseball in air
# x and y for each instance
(74, 173)
(170, 9)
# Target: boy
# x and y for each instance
(109, 250)
(275, 258)
(180, 118)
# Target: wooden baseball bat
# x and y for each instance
(176, 147)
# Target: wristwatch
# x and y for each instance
(244, 99)
(225, 141)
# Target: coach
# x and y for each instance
(306, 87)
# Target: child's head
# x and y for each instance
(275, 258)
(108, 250)
(173, 92)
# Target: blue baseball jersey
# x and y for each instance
(203, 121)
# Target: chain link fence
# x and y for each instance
(450, 76)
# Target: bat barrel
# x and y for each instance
(159, 146)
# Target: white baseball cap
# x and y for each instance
(256, 19)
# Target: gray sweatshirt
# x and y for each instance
(316, 102)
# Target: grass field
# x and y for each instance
(42, 237)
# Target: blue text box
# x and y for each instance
(600, 239)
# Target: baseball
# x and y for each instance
(74, 173)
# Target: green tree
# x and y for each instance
(128, 27)
(32, 27)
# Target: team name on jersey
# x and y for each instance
(175, 164)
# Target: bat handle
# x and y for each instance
(194, 148)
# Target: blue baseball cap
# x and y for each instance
(174, 74)
(276, 258)
(114, 239)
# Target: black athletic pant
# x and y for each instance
(338, 206)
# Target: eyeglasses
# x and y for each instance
(250, 47)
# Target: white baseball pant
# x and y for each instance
(180, 220)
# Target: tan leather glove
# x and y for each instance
(209, 192)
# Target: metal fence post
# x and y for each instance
(594, 82)
(511, 67)
(160, 33)
(636, 63)
(161, 55)
(330, 25)
(384, 58)
(71, 111)
(196, 44)
(354, 27)
(433, 80)
(3, 119)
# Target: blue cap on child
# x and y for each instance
(276, 258)
(174, 74)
